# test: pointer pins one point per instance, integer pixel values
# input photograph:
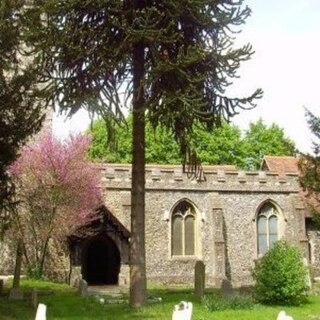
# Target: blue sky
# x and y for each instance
(285, 35)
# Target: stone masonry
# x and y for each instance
(227, 203)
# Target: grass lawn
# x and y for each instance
(64, 303)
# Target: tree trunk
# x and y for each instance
(16, 292)
(43, 257)
(17, 268)
(138, 282)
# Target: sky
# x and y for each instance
(285, 36)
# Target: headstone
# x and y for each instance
(34, 298)
(1, 286)
(15, 294)
(283, 316)
(182, 311)
(41, 312)
(308, 278)
(83, 287)
(75, 276)
(124, 275)
(226, 287)
(199, 279)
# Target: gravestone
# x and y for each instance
(182, 311)
(1, 286)
(226, 287)
(41, 312)
(15, 294)
(283, 316)
(34, 298)
(308, 278)
(83, 287)
(199, 279)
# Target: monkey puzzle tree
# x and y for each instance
(171, 60)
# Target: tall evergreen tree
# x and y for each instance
(172, 60)
(309, 166)
(20, 110)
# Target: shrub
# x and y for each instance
(216, 302)
(280, 276)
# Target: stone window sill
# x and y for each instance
(185, 258)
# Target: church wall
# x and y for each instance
(313, 232)
(226, 204)
(241, 235)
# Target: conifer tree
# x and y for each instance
(171, 61)
(309, 166)
(20, 110)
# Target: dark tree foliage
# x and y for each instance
(171, 61)
(309, 166)
(20, 110)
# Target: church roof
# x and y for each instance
(280, 164)
(103, 221)
(286, 164)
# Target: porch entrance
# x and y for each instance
(102, 262)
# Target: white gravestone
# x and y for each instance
(41, 312)
(283, 316)
(182, 311)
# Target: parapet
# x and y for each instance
(215, 178)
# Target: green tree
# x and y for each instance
(222, 145)
(309, 165)
(102, 149)
(261, 140)
(171, 60)
(160, 146)
(20, 109)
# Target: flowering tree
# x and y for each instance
(58, 190)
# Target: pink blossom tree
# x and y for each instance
(58, 191)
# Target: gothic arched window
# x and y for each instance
(267, 228)
(183, 230)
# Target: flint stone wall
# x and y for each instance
(226, 202)
(313, 232)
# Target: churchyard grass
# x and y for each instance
(64, 303)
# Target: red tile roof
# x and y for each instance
(280, 164)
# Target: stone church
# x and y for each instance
(228, 220)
